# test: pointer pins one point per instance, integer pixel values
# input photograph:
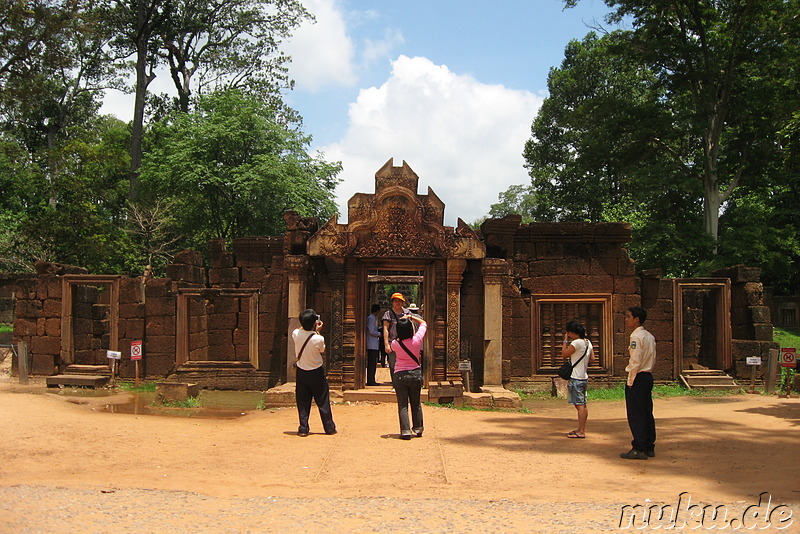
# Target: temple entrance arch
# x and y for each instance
(400, 233)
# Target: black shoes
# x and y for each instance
(650, 454)
(405, 436)
(633, 454)
(302, 433)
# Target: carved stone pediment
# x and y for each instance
(396, 222)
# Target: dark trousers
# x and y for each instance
(639, 405)
(372, 365)
(382, 358)
(407, 387)
(313, 385)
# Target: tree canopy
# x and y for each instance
(231, 168)
(224, 160)
(679, 126)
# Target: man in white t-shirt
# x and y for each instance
(309, 347)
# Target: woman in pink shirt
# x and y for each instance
(408, 373)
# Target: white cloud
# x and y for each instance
(464, 139)
(322, 52)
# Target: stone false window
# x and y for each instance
(551, 313)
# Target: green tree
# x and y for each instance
(661, 124)
(232, 167)
(76, 216)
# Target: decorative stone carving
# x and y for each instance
(396, 222)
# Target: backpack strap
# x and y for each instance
(416, 360)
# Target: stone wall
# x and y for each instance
(218, 324)
(751, 325)
(568, 259)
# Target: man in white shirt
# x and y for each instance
(309, 347)
(639, 386)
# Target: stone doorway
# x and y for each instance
(377, 282)
(702, 324)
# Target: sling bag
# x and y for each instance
(565, 371)
(303, 348)
(416, 360)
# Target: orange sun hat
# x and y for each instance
(398, 296)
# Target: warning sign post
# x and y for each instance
(136, 356)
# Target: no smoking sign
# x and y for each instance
(788, 357)
(136, 350)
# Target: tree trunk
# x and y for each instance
(143, 79)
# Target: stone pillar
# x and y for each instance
(338, 343)
(493, 271)
(455, 271)
(297, 273)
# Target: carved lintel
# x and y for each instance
(494, 270)
(296, 268)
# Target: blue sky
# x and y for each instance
(451, 87)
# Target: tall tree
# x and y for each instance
(662, 124)
(232, 167)
(719, 65)
(220, 44)
(138, 25)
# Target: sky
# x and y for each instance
(451, 87)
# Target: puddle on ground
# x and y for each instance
(214, 404)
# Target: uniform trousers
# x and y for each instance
(639, 405)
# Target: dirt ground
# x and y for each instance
(68, 467)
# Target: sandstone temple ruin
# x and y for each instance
(498, 297)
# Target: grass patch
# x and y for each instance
(786, 337)
(4, 328)
(663, 390)
(190, 402)
(143, 386)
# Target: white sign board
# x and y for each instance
(113, 355)
(465, 365)
(753, 360)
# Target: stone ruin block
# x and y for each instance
(42, 364)
(45, 345)
(28, 308)
(188, 257)
(217, 277)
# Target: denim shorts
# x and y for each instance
(577, 391)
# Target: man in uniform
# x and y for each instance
(639, 386)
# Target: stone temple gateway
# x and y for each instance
(498, 297)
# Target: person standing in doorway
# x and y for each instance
(390, 319)
(639, 386)
(408, 374)
(581, 353)
(311, 382)
(374, 333)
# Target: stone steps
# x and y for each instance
(708, 379)
(89, 381)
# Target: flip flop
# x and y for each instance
(574, 435)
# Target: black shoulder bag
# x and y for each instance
(565, 371)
